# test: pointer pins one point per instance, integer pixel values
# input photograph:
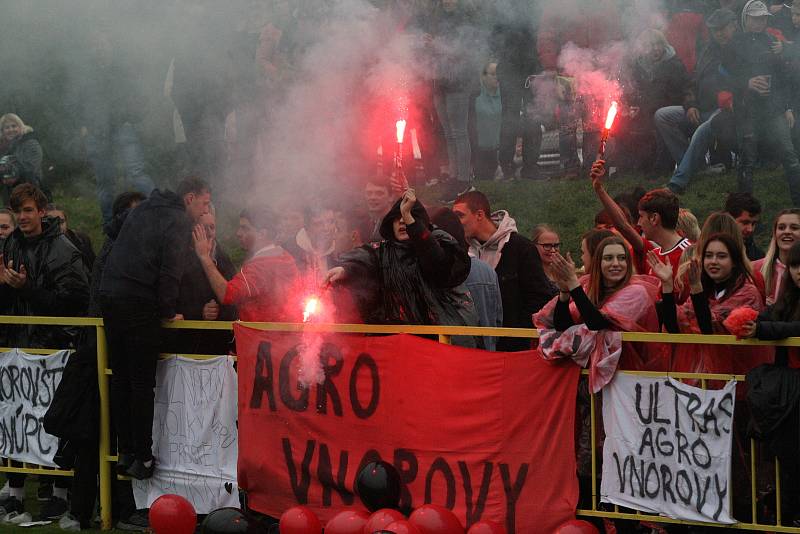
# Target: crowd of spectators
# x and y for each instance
(723, 94)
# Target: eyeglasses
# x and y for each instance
(550, 246)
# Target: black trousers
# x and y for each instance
(133, 331)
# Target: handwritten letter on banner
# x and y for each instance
(195, 440)
(27, 385)
(668, 448)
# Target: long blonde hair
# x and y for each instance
(768, 267)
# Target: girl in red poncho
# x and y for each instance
(584, 322)
(718, 286)
(785, 232)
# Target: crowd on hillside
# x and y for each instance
(716, 83)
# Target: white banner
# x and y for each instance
(27, 385)
(195, 441)
(668, 448)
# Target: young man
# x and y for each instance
(378, 202)
(41, 273)
(139, 289)
(260, 290)
(493, 238)
(314, 246)
(657, 218)
(81, 240)
(746, 209)
(763, 95)
(701, 105)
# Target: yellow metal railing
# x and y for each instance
(444, 334)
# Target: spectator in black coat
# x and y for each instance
(139, 289)
(22, 159)
(687, 130)
(762, 98)
(81, 240)
(658, 79)
(493, 238)
(42, 274)
(197, 302)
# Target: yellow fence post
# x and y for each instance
(105, 429)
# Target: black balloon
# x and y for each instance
(378, 486)
(229, 521)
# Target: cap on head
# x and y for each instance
(720, 18)
(755, 8)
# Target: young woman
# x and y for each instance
(610, 298)
(785, 232)
(782, 319)
(22, 159)
(414, 276)
(589, 242)
(548, 244)
(719, 283)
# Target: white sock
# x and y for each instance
(61, 493)
(148, 463)
(18, 493)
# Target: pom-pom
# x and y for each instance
(737, 319)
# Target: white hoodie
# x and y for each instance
(492, 249)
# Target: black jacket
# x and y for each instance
(148, 257)
(111, 230)
(419, 281)
(57, 285)
(749, 55)
(707, 80)
(664, 83)
(524, 288)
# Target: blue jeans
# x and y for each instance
(101, 149)
(453, 112)
(672, 125)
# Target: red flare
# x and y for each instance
(401, 130)
(612, 114)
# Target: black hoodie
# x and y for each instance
(147, 260)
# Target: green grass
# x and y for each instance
(567, 205)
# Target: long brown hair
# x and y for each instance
(597, 291)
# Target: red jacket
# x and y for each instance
(261, 290)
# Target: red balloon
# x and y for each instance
(380, 519)
(486, 527)
(347, 522)
(434, 519)
(172, 514)
(402, 527)
(576, 526)
(300, 520)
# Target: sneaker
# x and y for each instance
(53, 509)
(124, 462)
(44, 492)
(15, 518)
(675, 188)
(136, 522)
(139, 471)
(10, 505)
(69, 523)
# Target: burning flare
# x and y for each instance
(311, 308)
(401, 130)
(612, 114)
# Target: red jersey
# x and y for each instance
(261, 289)
(674, 254)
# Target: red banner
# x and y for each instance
(488, 435)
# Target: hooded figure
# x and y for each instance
(414, 276)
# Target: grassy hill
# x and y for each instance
(567, 205)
